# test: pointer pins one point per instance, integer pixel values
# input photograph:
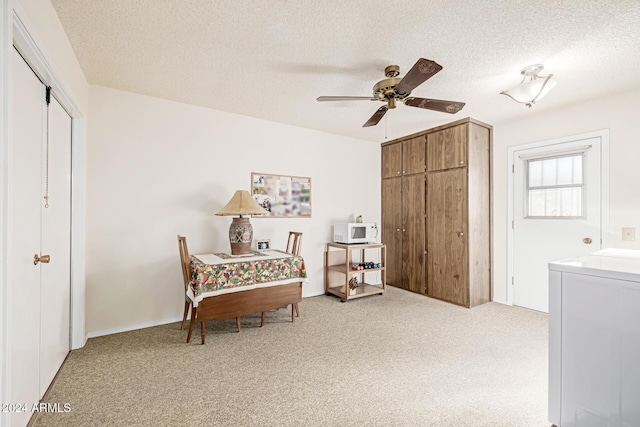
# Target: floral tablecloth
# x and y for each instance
(213, 275)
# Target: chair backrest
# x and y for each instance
(184, 260)
(294, 243)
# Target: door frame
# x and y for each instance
(603, 134)
(16, 30)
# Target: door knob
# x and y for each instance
(460, 234)
(587, 240)
(43, 259)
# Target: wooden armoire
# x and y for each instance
(436, 212)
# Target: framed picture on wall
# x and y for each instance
(282, 195)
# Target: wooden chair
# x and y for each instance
(294, 243)
(186, 275)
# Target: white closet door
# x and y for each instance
(25, 207)
(40, 295)
(55, 289)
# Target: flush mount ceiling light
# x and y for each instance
(532, 88)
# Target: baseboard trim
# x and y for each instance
(128, 328)
(501, 301)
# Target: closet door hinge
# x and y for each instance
(513, 168)
(512, 281)
(513, 224)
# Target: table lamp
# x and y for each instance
(241, 231)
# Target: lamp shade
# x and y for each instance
(242, 204)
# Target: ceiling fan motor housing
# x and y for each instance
(385, 89)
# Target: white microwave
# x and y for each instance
(354, 232)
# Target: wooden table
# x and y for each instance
(226, 286)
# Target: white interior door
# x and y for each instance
(25, 207)
(55, 291)
(40, 297)
(557, 212)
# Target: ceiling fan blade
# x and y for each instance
(346, 98)
(418, 74)
(451, 107)
(377, 116)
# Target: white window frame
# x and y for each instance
(528, 187)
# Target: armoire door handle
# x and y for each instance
(43, 259)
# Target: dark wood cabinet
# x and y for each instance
(403, 210)
(391, 160)
(436, 224)
(404, 157)
(403, 231)
(413, 155)
(458, 213)
(392, 228)
(447, 243)
(447, 148)
(413, 233)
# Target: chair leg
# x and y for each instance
(191, 323)
(184, 315)
(238, 323)
(202, 331)
(262, 321)
(297, 309)
(293, 312)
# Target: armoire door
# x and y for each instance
(391, 229)
(392, 160)
(413, 232)
(447, 148)
(413, 155)
(447, 236)
(40, 294)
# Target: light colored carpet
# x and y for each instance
(399, 359)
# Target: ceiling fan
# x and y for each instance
(395, 88)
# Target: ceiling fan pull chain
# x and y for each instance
(46, 164)
(386, 125)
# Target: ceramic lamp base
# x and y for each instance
(240, 236)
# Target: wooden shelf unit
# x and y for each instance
(338, 270)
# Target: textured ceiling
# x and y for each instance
(272, 59)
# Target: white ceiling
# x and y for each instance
(272, 59)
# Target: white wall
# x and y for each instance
(157, 168)
(617, 113)
(42, 20)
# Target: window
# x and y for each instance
(555, 187)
